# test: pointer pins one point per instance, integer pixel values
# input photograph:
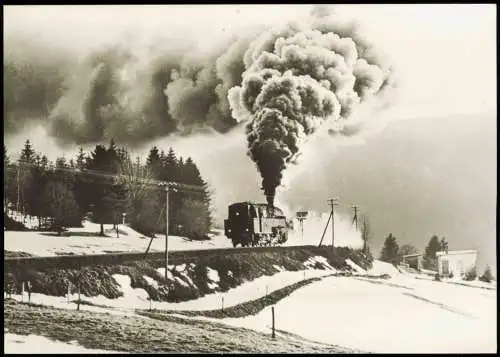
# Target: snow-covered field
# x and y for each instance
(398, 315)
(27, 344)
(86, 240)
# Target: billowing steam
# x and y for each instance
(346, 235)
(296, 79)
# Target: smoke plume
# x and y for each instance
(283, 83)
(120, 92)
(297, 78)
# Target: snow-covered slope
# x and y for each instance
(398, 315)
(86, 240)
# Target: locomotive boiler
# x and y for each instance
(256, 224)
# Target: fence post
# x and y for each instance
(304, 275)
(69, 291)
(272, 311)
(78, 302)
(29, 291)
(267, 289)
(150, 303)
(22, 291)
(223, 304)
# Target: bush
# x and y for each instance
(487, 277)
(470, 274)
(13, 225)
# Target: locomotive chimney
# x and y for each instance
(270, 201)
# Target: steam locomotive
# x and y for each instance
(256, 224)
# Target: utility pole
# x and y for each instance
(333, 202)
(166, 234)
(355, 218)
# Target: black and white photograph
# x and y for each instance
(250, 178)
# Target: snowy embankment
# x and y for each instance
(27, 344)
(397, 315)
(135, 298)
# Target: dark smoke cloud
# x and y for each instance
(34, 80)
(297, 78)
(118, 92)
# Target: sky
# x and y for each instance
(427, 167)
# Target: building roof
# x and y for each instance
(456, 252)
(412, 255)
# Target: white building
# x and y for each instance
(457, 262)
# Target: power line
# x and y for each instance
(174, 186)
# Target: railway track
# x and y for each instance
(174, 257)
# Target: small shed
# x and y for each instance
(413, 261)
(456, 262)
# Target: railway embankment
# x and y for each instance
(190, 275)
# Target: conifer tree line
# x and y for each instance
(393, 253)
(64, 199)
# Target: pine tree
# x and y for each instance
(61, 205)
(25, 177)
(99, 160)
(115, 203)
(170, 166)
(153, 163)
(27, 154)
(36, 207)
(430, 258)
(487, 275)
(81, 159)
(390, 250)
(192, 218)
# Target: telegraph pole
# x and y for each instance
(333, 202)
(166, 233)
(355, 218)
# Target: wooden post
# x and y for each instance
(272, 311)
(22, 291)
(267, 289)
(69, 291)
(78, 302)
(304, 275)
(223, 304)
(29, 291)
(150, 303)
